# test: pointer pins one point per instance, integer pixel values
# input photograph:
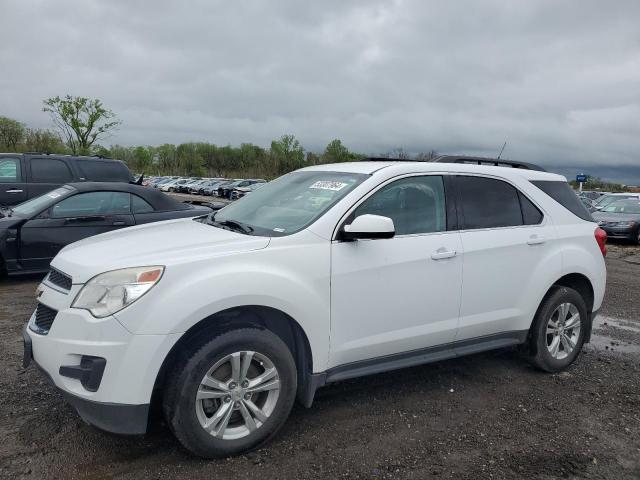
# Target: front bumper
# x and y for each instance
(108, 373)
(111, 417)
(630, 233)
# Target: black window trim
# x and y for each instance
(346, 217)
(460, 213)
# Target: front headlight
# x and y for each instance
(110, 292)
(624, 224)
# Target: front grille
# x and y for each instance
(44, 318)
(60, 279)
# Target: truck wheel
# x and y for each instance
(558, 330)
(231, 394)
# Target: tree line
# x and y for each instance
(81, 123)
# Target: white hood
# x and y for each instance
(161, 243)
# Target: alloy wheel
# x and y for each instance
(237, 395)
(563, 330)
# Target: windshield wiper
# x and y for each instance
(237, 226)
(230, 225)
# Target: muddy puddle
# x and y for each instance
(615, 335)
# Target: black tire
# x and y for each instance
(540, 354)
(185, 377)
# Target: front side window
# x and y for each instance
(287, 204)
(93, 204)
(10, 170)
(43, 202)
(488, 203)
(415, 204)
(49, 170)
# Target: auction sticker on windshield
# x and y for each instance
(329, 185)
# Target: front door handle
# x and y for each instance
(119, 223)
(536, 240)
(14, 190)
(443, 253)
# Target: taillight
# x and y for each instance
(601, 238)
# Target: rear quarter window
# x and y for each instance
(104, 171)
(562, 193)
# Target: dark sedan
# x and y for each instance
(621, 219)
(32, 233)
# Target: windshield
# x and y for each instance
(609, 199)
(623, 206)
(38, 204)
(289, 203)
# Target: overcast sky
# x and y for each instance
(558, 80)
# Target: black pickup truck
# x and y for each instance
(28, 175)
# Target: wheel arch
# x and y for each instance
(579, 283)
(251, 316)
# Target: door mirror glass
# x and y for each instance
(369, 226)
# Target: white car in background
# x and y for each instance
(327, 273)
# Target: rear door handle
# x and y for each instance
(536, 240)
(119, 223)
(15, 190)
(443, 253)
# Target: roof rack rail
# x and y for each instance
(497, 162)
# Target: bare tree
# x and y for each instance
(428, 156)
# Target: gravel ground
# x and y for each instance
(485, 416)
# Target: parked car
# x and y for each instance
(184, 187)
(173, 185)
(224, 191)
(621, 219)
(32, 233)
(609, 198)
(212, 188)
(240, 192)
(28, 175)
(196, 187)
(327, 273)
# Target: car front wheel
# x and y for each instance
(232, 394)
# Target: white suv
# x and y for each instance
(327, 273)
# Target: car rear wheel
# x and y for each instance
(558, 331)
(232, 394)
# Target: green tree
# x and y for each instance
(286, 154)
(335, 152)
(42, 140)
(80, 120)
(11, 133)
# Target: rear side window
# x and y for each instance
(10, 170)
(562, 193)
(488, 203)
(530, 213)
(50, 170)
(104, 171)
(138, 205)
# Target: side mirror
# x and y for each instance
(369, 226)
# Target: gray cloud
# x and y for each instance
(559, 80)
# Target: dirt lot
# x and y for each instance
(486, 416)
